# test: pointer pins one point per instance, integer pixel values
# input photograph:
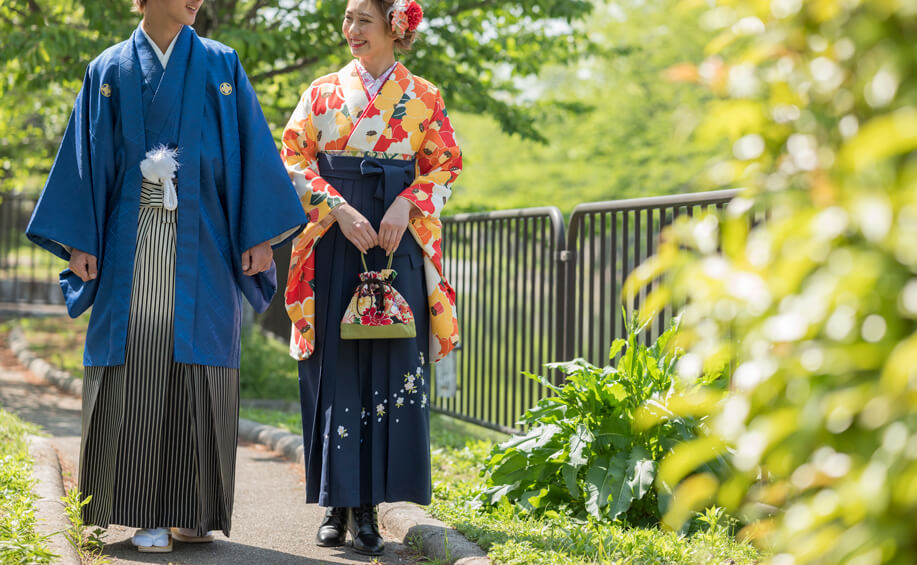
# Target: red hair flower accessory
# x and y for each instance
(406, 16)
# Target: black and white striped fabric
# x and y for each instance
(159, 437)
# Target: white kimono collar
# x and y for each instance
(163, 57)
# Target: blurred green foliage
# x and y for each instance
(474, 51)
(265, 368)
(812, 312)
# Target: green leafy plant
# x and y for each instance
(510, 534)
(89, 545)
(588, 449)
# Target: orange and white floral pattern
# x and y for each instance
(406, 120)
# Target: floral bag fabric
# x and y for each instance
(377, 310)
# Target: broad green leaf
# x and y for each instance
(569, 473)
(543, 380)
(495, 493)
(580, 441)
(511, 469)
(642, 472)
(603, 478)
(614, 432)
(617, 392)
(616, 347)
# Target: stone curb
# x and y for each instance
(51, 519)
(275, 439)
(41, 368)
(406, 521)
(438, 541)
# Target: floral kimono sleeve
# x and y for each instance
(439, 162)
(300, 155)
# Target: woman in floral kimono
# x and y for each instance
(372, 155)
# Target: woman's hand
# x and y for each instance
(395, 221)
(257, 259)
(84, 265)
(355, 227)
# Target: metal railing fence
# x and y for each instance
(607, 241)
(505, 267)
(27, 273)
(532, 291)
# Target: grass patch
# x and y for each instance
(58, 340)
(19, 541)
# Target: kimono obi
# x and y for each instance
(392, 174)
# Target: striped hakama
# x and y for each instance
(159, 437)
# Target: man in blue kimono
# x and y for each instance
(166, 196)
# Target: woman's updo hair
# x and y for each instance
(403, 44)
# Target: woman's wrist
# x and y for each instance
(340, 209)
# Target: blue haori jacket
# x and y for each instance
(233, 193)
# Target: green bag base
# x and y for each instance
(393, 331)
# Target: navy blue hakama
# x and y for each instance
(365, 403)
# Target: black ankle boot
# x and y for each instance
(365, 530)
(333, 530)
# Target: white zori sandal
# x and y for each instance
(188, 535)
(155, 540)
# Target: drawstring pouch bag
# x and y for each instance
(377, 310)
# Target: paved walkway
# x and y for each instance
(271, 522)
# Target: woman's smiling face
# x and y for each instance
(367, 31)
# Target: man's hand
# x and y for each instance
(355, 227)
(84, 265)
(257, 259)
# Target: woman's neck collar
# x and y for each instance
(377, 67)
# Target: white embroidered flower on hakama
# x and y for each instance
(423, 400)
(399, 402)
(342, 432)
(409, 385)
(380, 410)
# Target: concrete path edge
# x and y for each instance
(407, 522)
(49, 509)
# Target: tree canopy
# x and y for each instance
(475, 50)
(622, 130)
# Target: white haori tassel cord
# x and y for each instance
(160, 166)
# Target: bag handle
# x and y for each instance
(365, 268)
